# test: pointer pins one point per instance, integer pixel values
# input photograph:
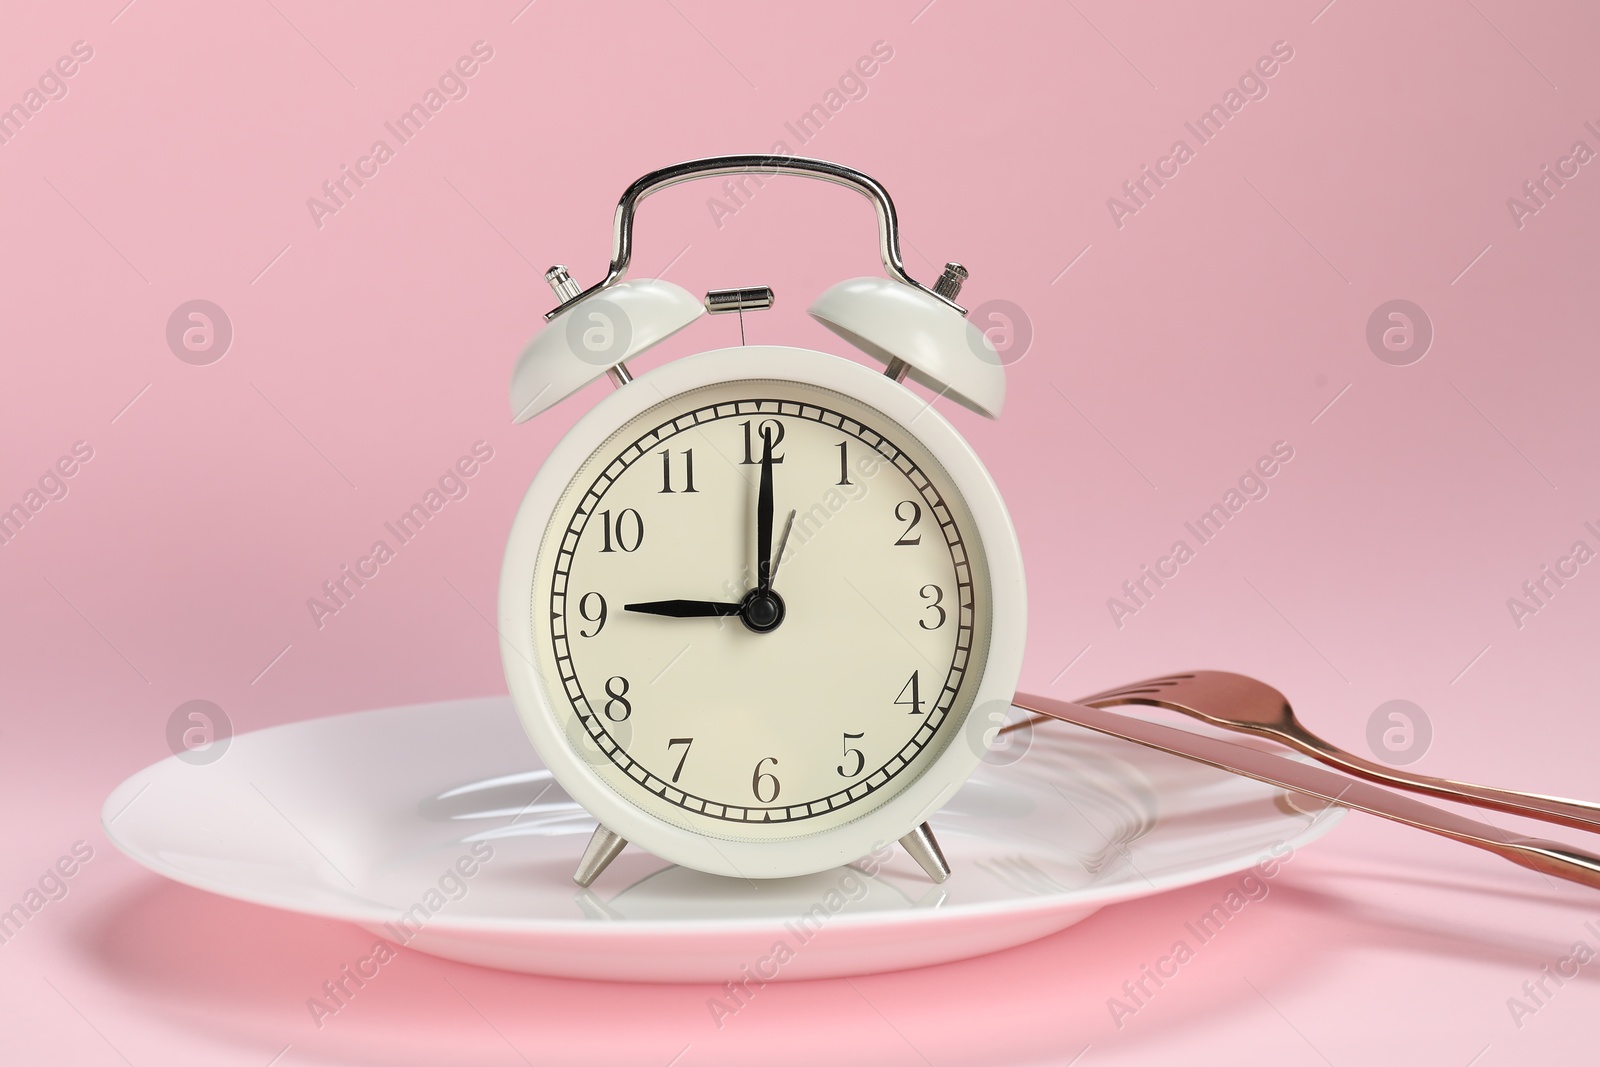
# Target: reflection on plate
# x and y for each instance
(437, 827)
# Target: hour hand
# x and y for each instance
(685, 609)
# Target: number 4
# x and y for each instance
(915, 689)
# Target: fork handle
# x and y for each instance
(1547, 857)
(1578, 814)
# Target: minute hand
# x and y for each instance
(764, 519)
(684, 609)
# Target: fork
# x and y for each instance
(1237, 702)
(1546, 857)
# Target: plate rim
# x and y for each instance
(1093, 897)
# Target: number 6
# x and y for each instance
(764, 776)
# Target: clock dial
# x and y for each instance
(760, 610)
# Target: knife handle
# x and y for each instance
(1578, 814)
(1546, 857)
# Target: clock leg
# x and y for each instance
(603, 848)
(924, 848)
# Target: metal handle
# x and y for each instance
(716, 166)
(1547, 857)
(1578, 814)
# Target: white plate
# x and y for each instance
(366, 817)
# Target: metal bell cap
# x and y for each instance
(890, 320)
(594, 335)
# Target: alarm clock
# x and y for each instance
(759, 605)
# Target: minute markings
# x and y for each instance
(611, 474)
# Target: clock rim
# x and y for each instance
(997, 675)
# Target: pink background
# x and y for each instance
(1227, 314)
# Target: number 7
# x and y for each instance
(686, 742)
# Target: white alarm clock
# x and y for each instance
(760, 604)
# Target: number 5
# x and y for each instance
(861, 759)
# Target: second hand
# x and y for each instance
(783, 542)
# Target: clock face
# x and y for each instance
(750, 712)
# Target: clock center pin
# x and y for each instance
(761, 611)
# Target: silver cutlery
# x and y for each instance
(1185, 693)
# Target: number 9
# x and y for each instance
(599, 620)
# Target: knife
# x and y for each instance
(1546, 857)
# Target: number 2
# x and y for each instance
(910, 520)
